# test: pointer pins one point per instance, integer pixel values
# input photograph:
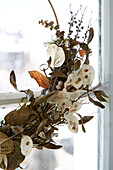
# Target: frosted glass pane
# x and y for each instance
(22, 38)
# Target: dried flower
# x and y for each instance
(57, 54)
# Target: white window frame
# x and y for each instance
(107, 76)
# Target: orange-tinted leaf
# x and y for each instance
(40, 78)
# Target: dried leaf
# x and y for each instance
(96, 102)
(40, 78)
(91, 35)
(13, 79)
(15, 157)
(100, 98)
(57, 74)
(74, 43)
(3, 161)
(42, 124)
(44, 98)
(77, 65)
(100, 92)
(82, 122)
(85, 119)
(6, 145)
(20, 116)
(84, 47)
(51, 145)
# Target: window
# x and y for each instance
(24, 53)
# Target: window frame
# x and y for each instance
(106, 162)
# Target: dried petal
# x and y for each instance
(26, 145)
(57, 54)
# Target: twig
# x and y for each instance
(54, 12)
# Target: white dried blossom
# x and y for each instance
(26, 145)
(57, 55)
(72, 123)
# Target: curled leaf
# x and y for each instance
(13, 79)
(40, 78)
(91, 35)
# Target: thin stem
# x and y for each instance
(54, 12)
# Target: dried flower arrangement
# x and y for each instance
(65, 89)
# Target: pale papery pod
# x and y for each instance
(57, 97)
(77, 81)
(72, 123)
(75, 107)
(74, 95)
(65, 103)
(88, 74)
(57, 54)
(26, 145)
(68, 81)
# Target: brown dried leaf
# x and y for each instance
(42, 124)
(44, 98)
(77, 65)
(15, 157)
(100, 92)
(82, 122)
(96, 102)
(57, 74)
(91, 35)
(85, 119)
(13, 79)
(51, 145)
(74, 43)
(20, 116)
(40, 78)
(6, 145)
(85, 47)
